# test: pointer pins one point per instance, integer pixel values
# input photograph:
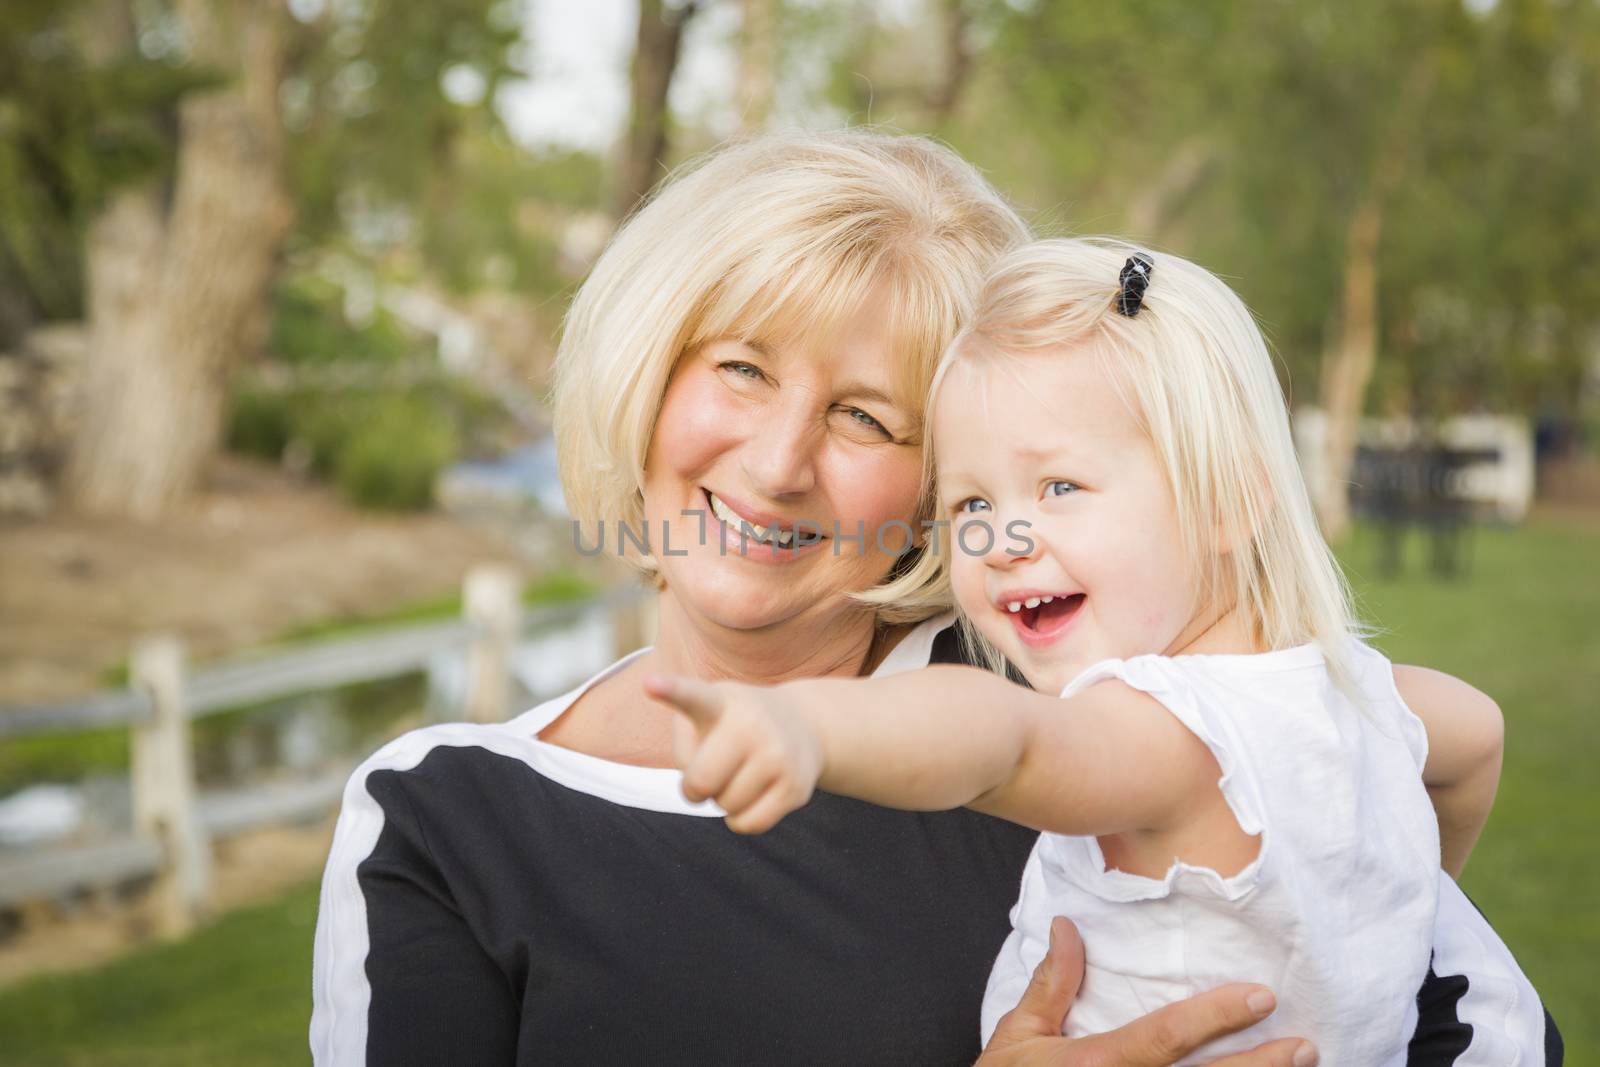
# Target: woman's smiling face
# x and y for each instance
(795, 444)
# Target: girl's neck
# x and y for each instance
(1214, 633)
(811, 645)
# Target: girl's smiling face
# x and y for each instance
(1044, 451)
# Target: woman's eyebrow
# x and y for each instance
(862, 391)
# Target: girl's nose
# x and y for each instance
(1012, 543)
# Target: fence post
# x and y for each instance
(492, 602)
(164, 791)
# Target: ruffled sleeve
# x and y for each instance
(1164, 679)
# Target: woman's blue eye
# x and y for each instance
(866, 420)
(1060, 488)
(742, 369)
(971, 505)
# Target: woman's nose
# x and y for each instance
(780, 458)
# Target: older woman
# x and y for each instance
(750, 351)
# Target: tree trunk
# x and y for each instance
(945, 95)
(1159, 203)
(655, 57)
(758, 63)
(1348, 364)
(1347, 368)
(178, 297)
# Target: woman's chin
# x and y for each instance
(739, 604)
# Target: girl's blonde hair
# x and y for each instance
(1193, 369)
(778, 239)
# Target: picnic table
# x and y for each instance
(1421, 487)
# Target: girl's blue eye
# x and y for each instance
(742, 369)
(971, 505)
(1060, 488)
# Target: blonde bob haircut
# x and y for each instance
(1194, 371)
(776, 240)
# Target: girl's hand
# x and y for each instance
(745, 746)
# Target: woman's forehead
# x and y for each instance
(892, 323)
(862, 350)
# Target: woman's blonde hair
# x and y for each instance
(778, 239)
(1193, 369)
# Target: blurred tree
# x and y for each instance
(655, 58)
(1405, 180)
(758, 62)
(81, 116)
(179, 282)
(384, 100)
(379, 94)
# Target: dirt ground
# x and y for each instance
(257, 554)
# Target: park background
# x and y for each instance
(280, 285)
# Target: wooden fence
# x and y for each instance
(174, 823)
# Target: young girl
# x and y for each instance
(1232, 786)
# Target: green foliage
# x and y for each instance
(389, 459)
(499, 225)
(1487, 282)
(382, 449)
(309, 327)
(72, 131)
(381, 437)
(61, 757)
(383, 151)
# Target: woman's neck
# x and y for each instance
(811, 645)
(616, 721)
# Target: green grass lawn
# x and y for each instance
(237, 993)
(1524, 625)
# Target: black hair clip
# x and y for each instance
(1134, 279)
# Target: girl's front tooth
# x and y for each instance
(1014, 607)
(1031, 602)
(1046, 599)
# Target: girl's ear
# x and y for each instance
(1240, 526)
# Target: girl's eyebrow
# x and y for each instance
(1040, 452)
(954, 480)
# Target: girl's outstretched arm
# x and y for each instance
(1109, 760)
(1466, 740)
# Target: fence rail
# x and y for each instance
(175, 823)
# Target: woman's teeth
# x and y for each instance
(769, 534)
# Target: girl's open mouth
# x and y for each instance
(1044, 620)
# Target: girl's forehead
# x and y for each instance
(1054, 393)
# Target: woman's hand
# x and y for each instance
(744, 746)
(1030, 1034)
